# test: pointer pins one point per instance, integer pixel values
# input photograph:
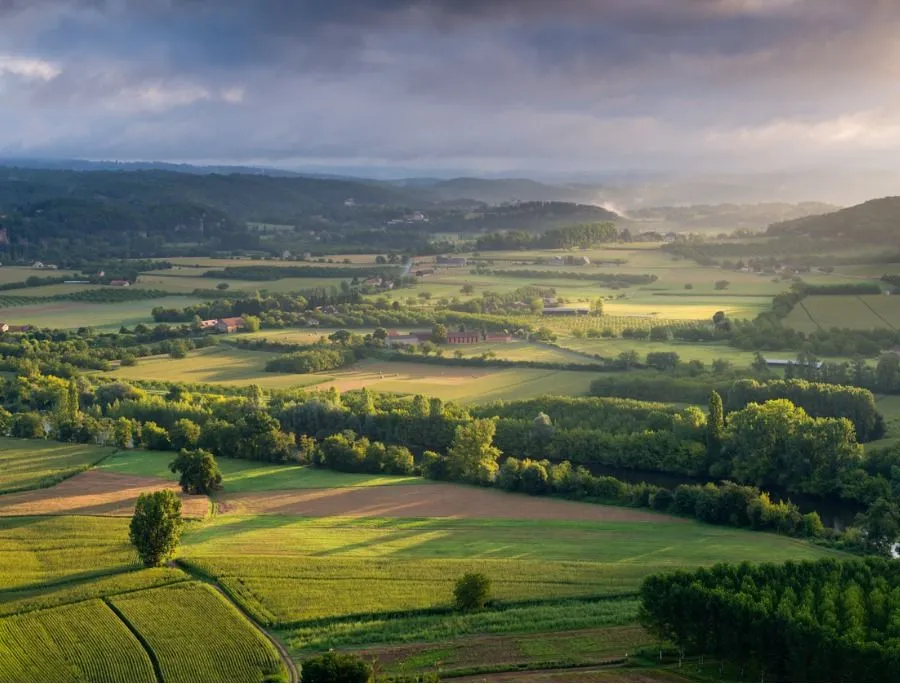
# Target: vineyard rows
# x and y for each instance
(617, 324)
(176, 623)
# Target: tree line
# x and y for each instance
(824, 620)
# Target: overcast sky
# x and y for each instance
(481, 86)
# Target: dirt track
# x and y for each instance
(95, 493)
(425, 501)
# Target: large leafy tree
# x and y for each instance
(472, 456)
(199, 472)
(156, 526)
(336, 667)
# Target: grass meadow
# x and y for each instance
(230, 366)
(31, 464)
(865, 312)
(251, 476)
(110, 316)
(330, 568)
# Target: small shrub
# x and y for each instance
(472, 591)
(336, 667)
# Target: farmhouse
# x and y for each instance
(208, 324)
(424, 272)
(119, 283)
(566, 310)
(229, 325)
(4, 327)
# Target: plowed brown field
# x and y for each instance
(425, 501)
(95, 493)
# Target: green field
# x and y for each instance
(250, 476)
(197, 636)
(220, 364)
(231, 366)
(83, 642)
(84, 314)
(30, 464)
(333, 567)
(865, 312)
(705, 352)
(185, 282)
(55, 549)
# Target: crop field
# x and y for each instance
(197, 636)
(511, 650)
(251, 476)
(37, 597)
(84, 642)
(317, 569)
(55, 549)
(95, 493)
(83, 314)
(864, 312)
(29, 464)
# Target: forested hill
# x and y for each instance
(875, 222)
(60, 215)
(244, 197)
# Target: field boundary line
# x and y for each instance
(293, 672)
(809, 315)
(877, 315)
(154, 661)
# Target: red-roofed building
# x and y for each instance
(229, 325)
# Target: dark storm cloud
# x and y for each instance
(555, 82)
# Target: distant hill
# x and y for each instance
(525, 216)
(726, 217)
(505, 190)
(876, 222)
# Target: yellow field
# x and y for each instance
(225, 365)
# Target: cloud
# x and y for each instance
(586, 84)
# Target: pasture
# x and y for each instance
(222, 364)
(250, 476)
(417, 560)
(865, 312)
(30, 464)
(67, 314)
(231, 366)
(185, 282)
(463, 384)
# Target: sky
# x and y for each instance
(468, 86)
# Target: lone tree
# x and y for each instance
(715, 426)
(199, 472)
(472, 591)
(156, 526)
(336, 667)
